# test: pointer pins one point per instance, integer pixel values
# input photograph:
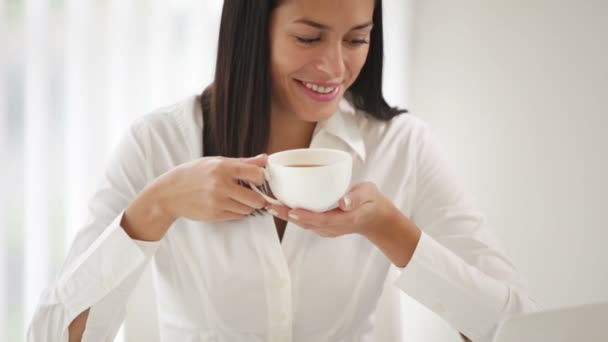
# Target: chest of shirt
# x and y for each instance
(231, 269)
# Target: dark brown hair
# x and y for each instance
(237, 104)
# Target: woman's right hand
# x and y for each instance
(206, 189)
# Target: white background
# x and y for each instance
(515, 90)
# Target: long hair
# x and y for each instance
(237, 104)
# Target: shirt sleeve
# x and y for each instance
(458, 269)
(104, 263)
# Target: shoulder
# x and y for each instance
(180, 116)
(402, 131)
(175, 126)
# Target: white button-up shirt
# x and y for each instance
(235, 281)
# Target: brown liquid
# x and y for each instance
(304, 165)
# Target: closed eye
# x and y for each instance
(358, 42)
(307, 40)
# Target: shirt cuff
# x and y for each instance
(101, 268)
(459, 293)
(147, 247)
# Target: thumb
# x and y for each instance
(259, 160)
(360, 194)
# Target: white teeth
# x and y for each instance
(319, 89)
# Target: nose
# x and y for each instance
(332, 62)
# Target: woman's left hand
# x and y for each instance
(364, 207)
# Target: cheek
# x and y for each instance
(354, 63)
(285, 61)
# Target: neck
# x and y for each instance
(288, 132)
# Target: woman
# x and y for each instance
(231, 267)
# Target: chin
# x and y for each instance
(318, 113)
(315, 116)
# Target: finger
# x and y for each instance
(360, 194)
(279, 211)
(257, 160)
(282, 212)
(247, 172)
(228, 215)
(230, 205)
(306, 226)
(333, 218)
(245, 196)
(324, 233)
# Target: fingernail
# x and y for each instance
(272, 212)
(293, 216)
(347, 202)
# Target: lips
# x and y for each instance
(320, 91)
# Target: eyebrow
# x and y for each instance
(325, 27)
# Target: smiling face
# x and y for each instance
(317, 49)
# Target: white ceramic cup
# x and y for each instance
(314, 179)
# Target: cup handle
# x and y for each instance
(266, 197)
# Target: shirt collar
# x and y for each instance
(342, 125)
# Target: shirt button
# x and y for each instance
(439, 308)
(106, 283)
(282, 282)
(282, 317)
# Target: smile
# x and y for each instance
(320, 92)
(319, 89)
